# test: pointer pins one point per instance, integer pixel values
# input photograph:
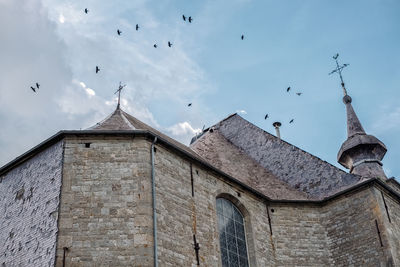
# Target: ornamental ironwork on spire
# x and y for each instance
(361, 153)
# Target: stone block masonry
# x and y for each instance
(180, 215)
(29, 200)
(106, 210)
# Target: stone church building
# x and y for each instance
(124, 194)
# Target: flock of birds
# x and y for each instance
(287, 90)
(185, 18)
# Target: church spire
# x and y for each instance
(120, 87)
(361, 153)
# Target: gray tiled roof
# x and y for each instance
(221, 153)
(288, 163)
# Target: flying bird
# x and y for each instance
(266, 116)
(291, 121)
(37, 85)
(86, 10)
(169, 44)
(288, 89)
(184, 18)
(242, 37)
(137, 27)
(190, 19)
(155, 45)
(97, 69)
(190, 104)
(299, 94)
(119, 32)
(33, 89)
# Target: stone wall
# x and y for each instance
(29, 200)
(391, 225)
(351, 228)
(299, 236)
(180, 215)
(106, 210)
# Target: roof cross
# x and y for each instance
(120, 87)
(339, 71)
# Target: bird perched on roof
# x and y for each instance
(97, 69)
(169, 44)
(288, 89)
(119, 32)
(190, 19)
(137, 27)
(155, 45)
(86, 10)
(291, 121)
(190, 104)
(266, 116)
(242, 37)
(33, 89)
(183, 17)
(299, 93)
(37, 85)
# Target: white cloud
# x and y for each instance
(90, 92)
(387, 120)
(183, 128)
(58, 45)
(242, 111)
(61, 18)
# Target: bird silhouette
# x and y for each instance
(97, 69)
(266, 116)
(288, 89)
(37, 85)
(33, 89)
(299, 93)
(190, 104)
(242, 37)
(291, 121)
(155, 45)
(169, 44)
(119, 32)
(137, 27)
(183, 17)
(86, 10)
(190, 19)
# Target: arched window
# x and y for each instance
(232, 237)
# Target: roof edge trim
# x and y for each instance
(61, 134)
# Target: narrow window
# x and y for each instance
(232, 237)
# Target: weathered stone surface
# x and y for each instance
(180, 215)
(29, 199)
(390, 220)
(106, 210)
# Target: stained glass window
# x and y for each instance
(232, 237)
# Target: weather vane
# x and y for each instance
(120, 87)
(339, 71)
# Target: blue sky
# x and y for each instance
(287, 43)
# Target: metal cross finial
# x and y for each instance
(339, 71)
(120, 87)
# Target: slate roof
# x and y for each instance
(287, 163)
(224, 155)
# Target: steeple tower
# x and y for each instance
(361, 153)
